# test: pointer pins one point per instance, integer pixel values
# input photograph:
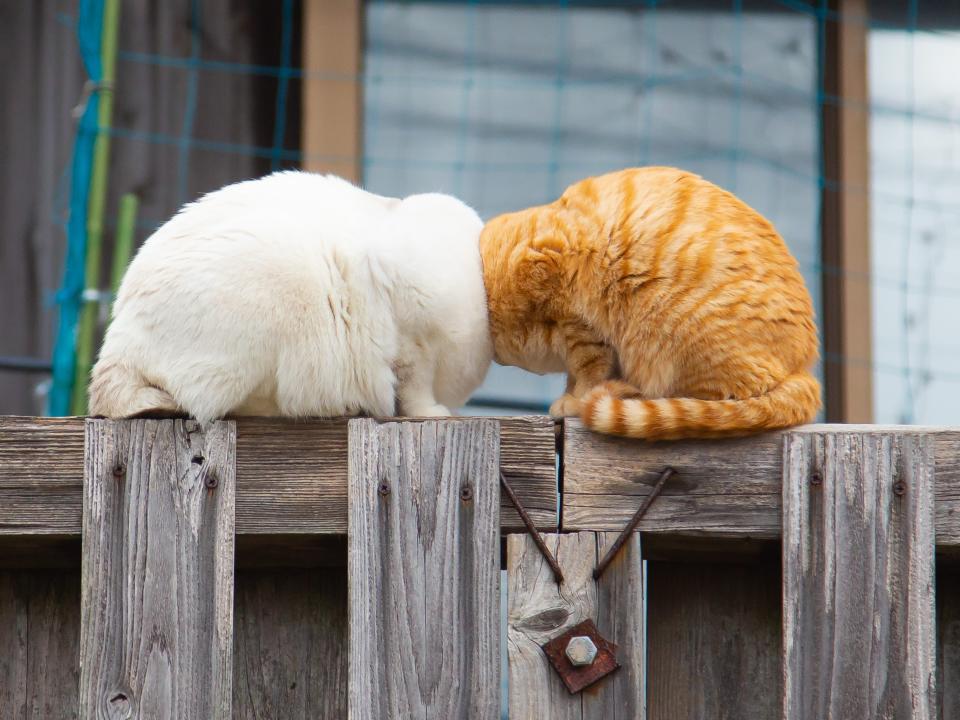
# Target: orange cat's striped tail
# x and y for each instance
(615, 408)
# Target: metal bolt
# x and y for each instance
(210, 480)
(118, 470)
(899, 488)
(581, 651)
(383, 489)
(466, 493)
(816, 479)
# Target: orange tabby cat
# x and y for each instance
(675, 309)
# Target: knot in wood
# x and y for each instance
(118, 706)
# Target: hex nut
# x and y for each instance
(581, 651)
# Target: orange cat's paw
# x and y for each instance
(565, 406)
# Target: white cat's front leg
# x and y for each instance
(415, 393)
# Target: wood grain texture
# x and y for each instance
(539, 611)
(948, 642)
(424, 569)
(157, 575)
(858, 576)
(723, 488)
(714, 641)
(41, 475)
(290, 645)
(291, 475)
(39, 642)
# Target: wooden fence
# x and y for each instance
(275, 569)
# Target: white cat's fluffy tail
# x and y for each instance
(118, 391)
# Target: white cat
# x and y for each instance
(300, 295)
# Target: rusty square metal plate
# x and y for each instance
(577, 678)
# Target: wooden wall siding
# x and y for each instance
(290, 644)
(291, 475)
(41, 79)
(714, 641)
(40, 83)
(39, 643)
(539, 610)
(723, 488)
(156, 634)
(858, 576)
(424, 569)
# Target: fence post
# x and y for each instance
(424, 570)
(858, 576)
(156, 633)
(540, 610)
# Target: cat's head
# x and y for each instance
(522, 271)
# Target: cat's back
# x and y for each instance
(283, 208)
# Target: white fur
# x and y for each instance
(300, 295)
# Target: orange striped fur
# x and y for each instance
(675, 309)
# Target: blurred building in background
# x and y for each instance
(838, 121)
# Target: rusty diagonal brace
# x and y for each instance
(632, 525)
(614, 549)
(532, 529)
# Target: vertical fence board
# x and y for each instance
(540, 610)
(290, 644)
(858, 576)
(714, 649)
(39, 639)
(157, 570)
(620, 618)
(424, 570)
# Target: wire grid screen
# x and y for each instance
(507, 104)
(504, 104)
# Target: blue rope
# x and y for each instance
(89, 31)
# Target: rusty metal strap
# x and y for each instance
(614, 549)
(532, 529)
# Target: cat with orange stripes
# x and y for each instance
(675, 309)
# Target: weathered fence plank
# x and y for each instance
(723, 488)
(157, 575)
(39, 637)
(291, 475)
(540, 610)
(858, 576)
(290, 644)
(714, 641)
(424, 570)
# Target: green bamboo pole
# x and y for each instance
(98, 198)
(123, 242)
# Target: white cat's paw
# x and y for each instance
(434, 410)
(565, 406)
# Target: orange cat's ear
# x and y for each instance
(549, 244)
